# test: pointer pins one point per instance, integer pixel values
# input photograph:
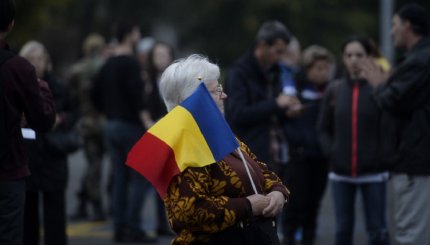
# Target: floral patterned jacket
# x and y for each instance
(206, 200)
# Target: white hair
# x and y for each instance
(181, 78)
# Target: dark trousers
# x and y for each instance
(54, 218)
(128, 186)
(373, 195)
(12, 198)
(306, 178)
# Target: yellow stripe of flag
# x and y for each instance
(184, 146)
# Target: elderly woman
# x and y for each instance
(207, 205)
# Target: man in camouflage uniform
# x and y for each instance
(90, 127)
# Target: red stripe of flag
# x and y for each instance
(159, 164)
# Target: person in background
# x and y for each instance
(90, 127)
(350, 134)
(160, 57)
(118, 94)
(206, 205)
(143, 47)
(306, 172)
(22, 98)
(257, 108)
(404, 98)
(48, 160)
(290, 66)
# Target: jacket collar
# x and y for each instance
(423, 43)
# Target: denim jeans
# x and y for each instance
(373, 195)
(128, 186)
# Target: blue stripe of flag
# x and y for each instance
(211, 122)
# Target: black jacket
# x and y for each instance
(47, 157)
(349, 128)
(406, 99)
(301, 131)
(251, 103)
(118, 89)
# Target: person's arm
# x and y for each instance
(273, 185)
(404, 90)
(146, 119)
(326, 118)
(36, 98)
(192, 202)
(271, 181)
(241, 110)
(133, 84)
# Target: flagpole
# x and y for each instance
(247, 170)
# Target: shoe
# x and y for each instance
(133, 236)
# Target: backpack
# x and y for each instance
(4, 135)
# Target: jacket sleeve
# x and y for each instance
(403, 92)
(37, 99)
(326, 119)
(190, 204)
(241, 110)
(271, 181)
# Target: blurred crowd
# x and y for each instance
(314, 118)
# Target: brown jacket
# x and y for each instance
(206, 200)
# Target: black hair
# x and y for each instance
(152, 70)
(7, 14)
(122, 29)
(272, 30)
(363, 41)
(417, 16)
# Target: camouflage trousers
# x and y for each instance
(94, 148)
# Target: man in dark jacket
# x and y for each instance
(405, 97)
(256, 108)
(21, 94)
(118, 94)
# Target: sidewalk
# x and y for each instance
(84, 233)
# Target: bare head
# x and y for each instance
(182, 77)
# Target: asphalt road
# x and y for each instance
(95, 233)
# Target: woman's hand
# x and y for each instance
(285, 101)
(258, 203)
(276, 204)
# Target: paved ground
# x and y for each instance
(95, 233)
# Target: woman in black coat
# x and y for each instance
(48, 160)
(349, 124)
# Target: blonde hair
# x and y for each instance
(93, 44)
(314, 53)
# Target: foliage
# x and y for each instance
(221, 29)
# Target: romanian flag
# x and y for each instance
(193, 134)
